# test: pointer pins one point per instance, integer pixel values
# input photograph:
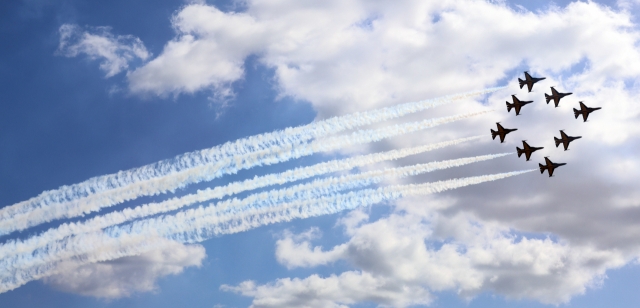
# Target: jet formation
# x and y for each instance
(564, 139)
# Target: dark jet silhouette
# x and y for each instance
(584, 111)
(517, 104)
(527, 150)
(565, 140)
(550, 166)
(529, 81)
(555, 95)
(501, 131)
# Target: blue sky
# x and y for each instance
(72, 109)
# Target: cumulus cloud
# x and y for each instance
(295, 250)
(114, 51)
(125, 276)
(333, 291)
(401, 259)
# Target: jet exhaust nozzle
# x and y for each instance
(547, 97)
(520, 151)
(522, 83)
(509, 106)
(542, 168)
(576, 112)
(493, 134)
(558, 141)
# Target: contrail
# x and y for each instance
(317, 188)
(13, 247)
(101, 247)
(227, 166)
(181, 165)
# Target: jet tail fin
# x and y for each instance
(547, 97)
(509, 106)
(542, 168)
(494, 134)
(522, 83)
(576, 112)
(520, 151)
(558, 141)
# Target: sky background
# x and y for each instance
(88, 89)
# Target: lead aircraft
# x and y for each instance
(529, 81)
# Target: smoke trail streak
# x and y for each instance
(101, 247)
(310, 190)
(226, 166)
(180, 165)
(13, 247)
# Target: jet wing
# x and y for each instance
(583, 107)
(554, 92)
(518, 106)
(550, 170)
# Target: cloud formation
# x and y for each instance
(402, 259)
(125, 276)
(114, 51)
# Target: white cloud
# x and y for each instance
(333, 291)
(116, 52)
(295, 250)
(401, 259)
(209, 51)
(125, 276)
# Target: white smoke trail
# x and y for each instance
(142, 236)
(180, 166)
(227, 166)
(13, 247)
(310, 190)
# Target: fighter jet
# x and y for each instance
(527, 150)
(584, 111)
(529, 81)
(565, 140)
(516, 104)
(555, 95)
(501, 131)
(550, 166)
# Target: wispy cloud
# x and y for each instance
(114, 51)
